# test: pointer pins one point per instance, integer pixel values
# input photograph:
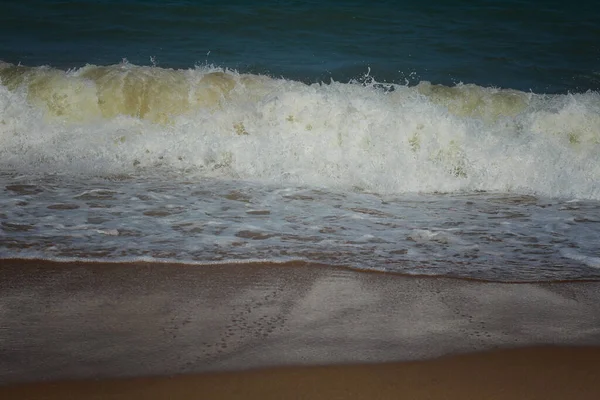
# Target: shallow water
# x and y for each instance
(492, 236)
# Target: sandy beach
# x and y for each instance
(85, 330)
(530, 373)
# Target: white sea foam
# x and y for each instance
(125, 119)
(126, 163)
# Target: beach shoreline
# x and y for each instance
(115, 324)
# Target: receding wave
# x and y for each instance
(124, 119)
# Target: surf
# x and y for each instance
(213, 122)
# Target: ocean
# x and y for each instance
(454, 138)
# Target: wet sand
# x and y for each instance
(82, 321)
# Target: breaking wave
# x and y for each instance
(387, 138)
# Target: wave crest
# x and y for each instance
(131, 119)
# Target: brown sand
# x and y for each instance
(82, 321)
(531, 373)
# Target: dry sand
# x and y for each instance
(524, 374)
(72, 321)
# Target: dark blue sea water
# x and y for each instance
(427, 137)
(544, 46)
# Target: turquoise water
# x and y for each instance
(540, 46)
(451, 138)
